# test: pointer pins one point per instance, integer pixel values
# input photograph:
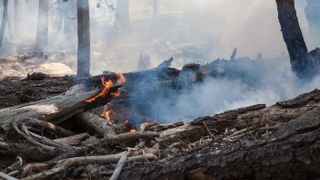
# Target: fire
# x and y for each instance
(106, 113)
(107, 85)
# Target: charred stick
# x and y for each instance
(119, 167)
(76, 161)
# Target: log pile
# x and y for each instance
(64, 136)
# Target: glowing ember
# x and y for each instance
(106, 115)
(133, 130)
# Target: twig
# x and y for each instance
(119, 167)
(107, 141)
(6, 176)
(15, 125)
(104, 159)
(204, 124)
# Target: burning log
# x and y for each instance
(59, 108)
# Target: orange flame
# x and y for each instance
(107, 85)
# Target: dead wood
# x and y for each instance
(294, 156)
(6, 176)
(55, 109)
(119, 167)
(104, 159)
(73, 140)
(98, 124)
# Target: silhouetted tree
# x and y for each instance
(4, 20)
(83, 39)
(155, 8)
(122, 18)
(301, 64)
(41, 46)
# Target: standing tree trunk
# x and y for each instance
(122, 14)
(301, 63)
(83, 38)
(4, 20)
(41, 46)
(16, 19)
(155, 8)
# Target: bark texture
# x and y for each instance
(293, 152)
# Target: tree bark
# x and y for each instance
(83, 39)
(301, 63)
(291, 153)
(57, 108)
(41, 46)
(4, 20)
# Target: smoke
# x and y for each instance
(254, 82)
(191, 31)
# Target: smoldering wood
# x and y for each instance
(288, 158)
(98, 124)
(247, 121)
(55, 109)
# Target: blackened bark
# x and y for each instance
(4, 20)
(122, 14)
(83, 38)
(301, 64)
(41, 46)
(293, 156)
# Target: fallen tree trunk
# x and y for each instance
(293, 155)
(58, 108)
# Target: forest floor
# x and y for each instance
(48, 130)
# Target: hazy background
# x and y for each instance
(191, 31)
